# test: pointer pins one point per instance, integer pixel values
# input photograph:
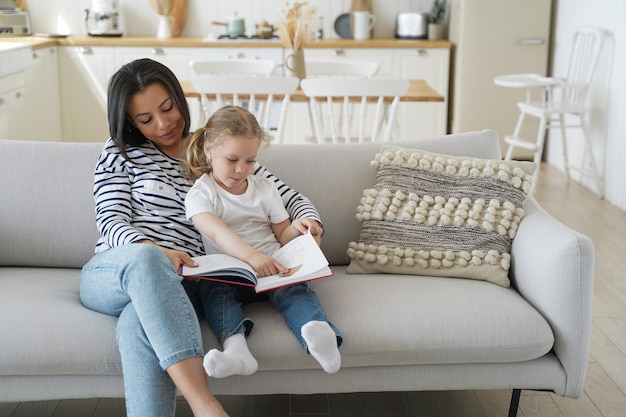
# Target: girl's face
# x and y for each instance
(232, 161)
(155, 114)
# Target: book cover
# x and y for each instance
(302, 256)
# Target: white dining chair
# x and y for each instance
(341, 68)
(334, 118)
(258, 94)
(560, 98)
(232, 67)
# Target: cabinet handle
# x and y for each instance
(531, 41)
(18, 95)
(35, 55)
(339, 52)
(85, 50)
(158, 51)
(421, 52)
(2, 102)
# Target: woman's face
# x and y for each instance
(232, 161)
(154, 112)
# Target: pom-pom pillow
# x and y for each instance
(440, 215)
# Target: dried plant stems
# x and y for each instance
(294, 25)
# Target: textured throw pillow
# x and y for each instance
(440, 215)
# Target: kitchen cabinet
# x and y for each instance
(418, 120)
(84, 74)
(43, 99)
(175, 58)
(14, 123)
(384, 57)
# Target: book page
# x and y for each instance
(305, 261)
(302, 250)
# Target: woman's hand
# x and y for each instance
(176, 257)
(304, 225)
(265, 265)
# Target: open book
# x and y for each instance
(302, 256)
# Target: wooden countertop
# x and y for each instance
(419, 90)
(38, 42)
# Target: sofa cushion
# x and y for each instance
(432, 321)
(440, 215)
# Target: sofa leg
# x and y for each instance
(514, 402)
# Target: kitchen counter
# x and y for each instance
(38, 42)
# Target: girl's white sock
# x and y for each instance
(236, 359)
(321, 341)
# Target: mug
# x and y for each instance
(294, 64)
(164, 30)
(363, 24)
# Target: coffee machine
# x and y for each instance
(103, 19)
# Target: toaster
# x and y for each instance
(411, 25)
(14, 23)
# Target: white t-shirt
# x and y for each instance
(250, 214)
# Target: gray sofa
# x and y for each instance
(402, 332)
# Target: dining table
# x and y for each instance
(418, 91)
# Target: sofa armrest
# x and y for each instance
(552, 268)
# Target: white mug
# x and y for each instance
(164, 31)
(363, 24)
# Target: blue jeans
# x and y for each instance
(157, 324)
(222, 303)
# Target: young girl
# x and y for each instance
(243, 215)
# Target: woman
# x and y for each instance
(139, 193)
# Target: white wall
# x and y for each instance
(608, 117)
(141, 20)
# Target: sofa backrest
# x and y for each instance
(333, 177)
(47, 210)
(46, 197)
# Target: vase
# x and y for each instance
(294, 64)
(435, 31)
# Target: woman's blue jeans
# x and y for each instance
(222, 303)
(157, 324)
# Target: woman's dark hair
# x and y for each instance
(133, 78)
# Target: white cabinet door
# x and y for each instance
(43, 97)
(384, 57)
(175, 58)
(85, 73)
(417, 120)
(14, 123)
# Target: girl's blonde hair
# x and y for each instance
(226, 121)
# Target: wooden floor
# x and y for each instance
(605, 387)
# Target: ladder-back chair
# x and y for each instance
(334, 119)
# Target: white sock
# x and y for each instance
(236, 359)
(321, 341)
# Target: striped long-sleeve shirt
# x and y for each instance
(143, 197)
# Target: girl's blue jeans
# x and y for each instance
(157, 324)
(222, 306)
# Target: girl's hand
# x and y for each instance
(304, 225)
(265, 265)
